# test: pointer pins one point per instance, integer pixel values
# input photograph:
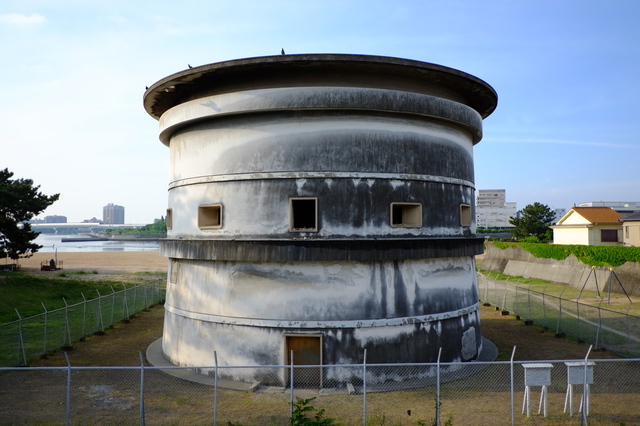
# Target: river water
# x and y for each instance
(53, 243)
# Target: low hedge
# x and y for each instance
(589, 255)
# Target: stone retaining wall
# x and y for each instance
(516, 261)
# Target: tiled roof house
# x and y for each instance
(592, 226)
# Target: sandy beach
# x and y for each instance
(105, 262)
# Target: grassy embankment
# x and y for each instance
(27, 293)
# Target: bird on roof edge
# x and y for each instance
(189, 66)
(282, 52)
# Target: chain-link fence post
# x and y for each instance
(530, 314)
(142, 421)
(513, 415)
(124, 302)
(486, 288)
(628, 328)
(67, 327)
(544, 306)
(585, 392)
(364, 389)
(144, 296)
(560, 311)
(100, 310)
(84, 316)
(504, 295)
(291, 384)
(20, 338)
(599, 323)
(113, 304)
(579, 321)
(135, 293)
(437, 422)
(44, 344)
(68, 408)
(495, 291)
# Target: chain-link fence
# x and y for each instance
(604, 328)
(29, 338)
(448, 393)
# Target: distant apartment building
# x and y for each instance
(493, 210)
(113, 214)
(622, 207)
(55, 219)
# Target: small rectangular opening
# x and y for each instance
(175, 270)
(210, 217)
(465, 215)
(406, 215)
(303, 214)
(168, 220)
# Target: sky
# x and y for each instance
(73, 73)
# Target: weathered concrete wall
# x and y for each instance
(400, 311)
(516, 261)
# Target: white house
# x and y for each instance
(590, 226)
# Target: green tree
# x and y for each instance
(20, 201)
(534, 223)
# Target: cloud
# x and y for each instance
(19, 19)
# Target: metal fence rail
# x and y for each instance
(439, 393)
(604, 328)
(29, 338)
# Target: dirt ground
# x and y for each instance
(121, 345)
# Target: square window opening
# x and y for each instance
(303, 214)
(210, 217)
(168, 220)
(465, 215)
(406, 215)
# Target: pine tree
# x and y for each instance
(20, 201)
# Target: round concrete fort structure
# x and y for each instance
(321, 204)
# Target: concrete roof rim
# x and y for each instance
(471, 83)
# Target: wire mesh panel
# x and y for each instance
(10, 350)
(614, 393)
(33, 396)
(615, 334)
(105, 396)
(252, 395)
(341, 392)
(475, 393)
(172, 400)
